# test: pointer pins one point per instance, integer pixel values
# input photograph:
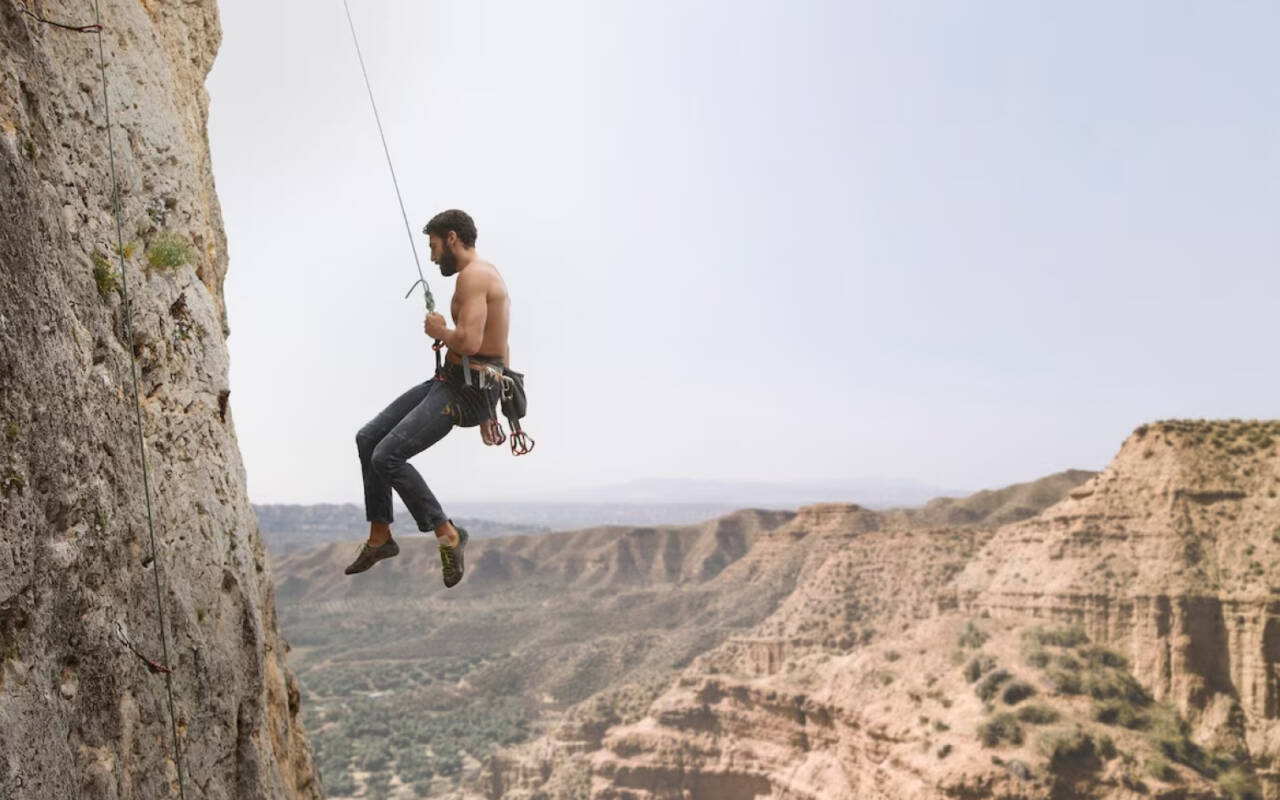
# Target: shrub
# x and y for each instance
(1073, 636)
(1159, 768)
(1113, 684)
(990, 685)
(12, 481)
(1064, 682)
(1038, 659)
(1106, 747)
(1119, 712)
(1016, 692)
(1000, 728)
(1239, 784)
(973, 637)
(1068, 662)
(1037, 714)
(978, 666)
(1069, 750)
(104, 275)
(168, 250)
(1097, 655)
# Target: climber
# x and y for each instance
(463, 392)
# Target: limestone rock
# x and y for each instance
(80, 715)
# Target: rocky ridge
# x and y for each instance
(1122, 643)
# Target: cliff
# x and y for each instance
(80, 715)
(1120, 643)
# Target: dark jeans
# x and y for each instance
(413, 422)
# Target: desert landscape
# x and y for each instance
(1092, 635)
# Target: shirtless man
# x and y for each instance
(422, 416)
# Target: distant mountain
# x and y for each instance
(561, 516)
(867, 492)
(999, 506)
(290, 527)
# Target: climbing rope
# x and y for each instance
(137, 405)
(426, 290)
(76, 28)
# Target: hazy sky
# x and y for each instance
(968, 243)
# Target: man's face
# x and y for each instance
(442, 253)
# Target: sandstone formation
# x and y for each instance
(81, 716)
(1122, 643)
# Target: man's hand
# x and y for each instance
(434, 326)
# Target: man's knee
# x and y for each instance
(365, 442)
(384, 458)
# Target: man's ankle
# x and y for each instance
(447, 534)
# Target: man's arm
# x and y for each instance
(466, 338)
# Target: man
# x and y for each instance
(420, 417)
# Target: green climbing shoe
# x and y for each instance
(451, 559)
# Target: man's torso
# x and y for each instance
(497, 317)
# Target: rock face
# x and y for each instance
(80, 715)
(1121, 643)
(1172, 556)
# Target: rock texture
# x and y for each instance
(80, 716)
(1140, 613)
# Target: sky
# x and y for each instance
(964, 244)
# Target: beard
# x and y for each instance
(448, 263)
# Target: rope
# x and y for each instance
(137, 404)
(431, 302)
(96, 28)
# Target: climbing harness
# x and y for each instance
(512, 382)
(512, 398)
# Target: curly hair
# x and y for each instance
(459, 222)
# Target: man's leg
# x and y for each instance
(425, 424)
(377, 489)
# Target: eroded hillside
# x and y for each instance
(1123, 643)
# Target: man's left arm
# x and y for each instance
(466, 338)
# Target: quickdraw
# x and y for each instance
(155, 667)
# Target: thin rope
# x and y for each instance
(137, 404)
(431, 302)
(66, 27)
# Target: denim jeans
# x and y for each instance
(413, 422)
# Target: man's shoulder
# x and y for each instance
(486, 276)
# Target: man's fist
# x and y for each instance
(434, 326)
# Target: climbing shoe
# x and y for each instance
(451, 559)
(369, 555)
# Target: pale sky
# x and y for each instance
(965, 243)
